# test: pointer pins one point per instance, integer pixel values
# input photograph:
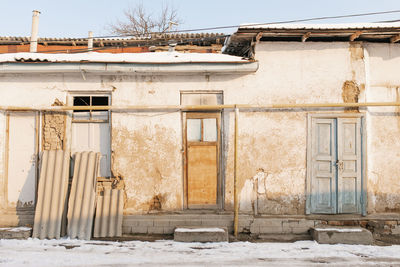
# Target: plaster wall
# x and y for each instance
(147, 146)
(273, 144)
(383, 127)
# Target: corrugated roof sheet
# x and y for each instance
(52, 194)
(110, 41)
(109, 211)
(82, 198)
(338, 26)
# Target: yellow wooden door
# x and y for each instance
(202, 158)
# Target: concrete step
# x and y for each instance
(166, 223)
(353, 235)
(201, 234)
(15, 233)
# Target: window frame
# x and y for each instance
(90, 110)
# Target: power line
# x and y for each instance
(258, 24)
(222, 27)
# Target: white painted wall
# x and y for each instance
(147, 147)
(21, 183)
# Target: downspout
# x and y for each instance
(235, 191)
(34, 32)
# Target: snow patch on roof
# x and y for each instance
(337, 26)
(155, 57)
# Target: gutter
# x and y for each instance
(132, 68)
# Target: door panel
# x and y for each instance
(90, 136)
(202, 175)
(22, 159)
(323, 185)
(202, 160)
(349, 165)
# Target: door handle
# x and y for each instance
(340, 165)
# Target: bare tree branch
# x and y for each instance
(138, 21)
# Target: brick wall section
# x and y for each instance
(53, 130)
(386, 231)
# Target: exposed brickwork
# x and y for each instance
(281, 228)
(53, 130)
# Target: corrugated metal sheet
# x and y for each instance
(110, 41)
(52, 194)
(309, 26)
(109, 211)
(83, 195)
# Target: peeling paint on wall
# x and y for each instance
(149, 159)
(350, 94)
(54, 129)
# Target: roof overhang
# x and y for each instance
(132, 68)
(246, 35)
(125, 63)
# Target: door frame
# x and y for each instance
(362, 116)
(70, 121)
(202, 114)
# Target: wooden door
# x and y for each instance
(336, 168)
(93, 136)
(202, 159)
(323, 171)
(349, 165)
(22, 159)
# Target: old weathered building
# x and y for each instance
(314, 108)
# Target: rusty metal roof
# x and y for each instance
(155, 39)
(109, 212)
(337, 26)
(241, 43)
(82, 198)
(52, 194)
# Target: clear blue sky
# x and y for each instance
(74, 18)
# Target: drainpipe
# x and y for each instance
(90, 41)
(235, 191)
(34, 32)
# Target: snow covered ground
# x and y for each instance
(66, 252)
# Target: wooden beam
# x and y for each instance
(73, 43)
(204, 107)
(395, 38)
(355, 35)
(305, 36)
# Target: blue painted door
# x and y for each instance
(335, 165)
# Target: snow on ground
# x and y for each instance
(16, 229)
(66, 252)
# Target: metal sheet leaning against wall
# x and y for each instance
(52, 194)
(109, 212)
(82, 199)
